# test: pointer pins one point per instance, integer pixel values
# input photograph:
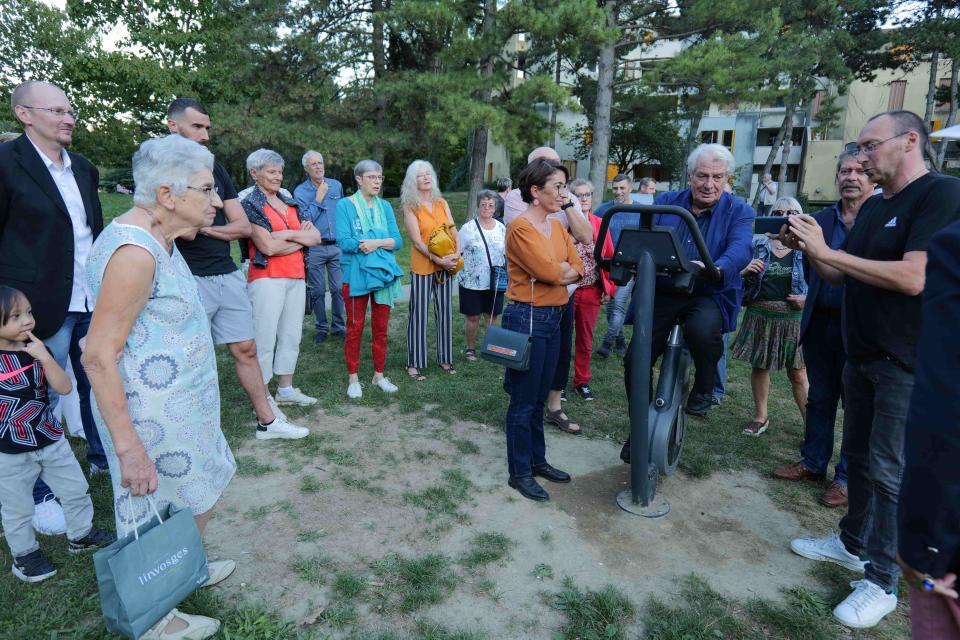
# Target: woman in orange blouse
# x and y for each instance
(424, 209)
(541, 262)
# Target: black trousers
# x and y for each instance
(702, 332)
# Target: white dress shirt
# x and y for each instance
(82, 234)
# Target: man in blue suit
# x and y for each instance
(821, 336)
(710, 310)
(929, 510)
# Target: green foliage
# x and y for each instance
(486, 548)
(594, 615)
(413, 583)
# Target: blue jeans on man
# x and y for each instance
(65, 343)
(528, 389)
(326, 258)
(824, 356)
(616, 316)
(720, 381)
(876, 399)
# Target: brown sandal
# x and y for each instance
(562, 422)
(415, 374)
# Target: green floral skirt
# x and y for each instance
(768, 336)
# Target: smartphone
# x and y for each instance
(768, 224)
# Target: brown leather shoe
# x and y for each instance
(796, 472)
(834, 496)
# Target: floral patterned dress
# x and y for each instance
(169, 375)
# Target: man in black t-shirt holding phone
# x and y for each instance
(882, 267)
(222, 286)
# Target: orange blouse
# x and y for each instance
(289, 266)
(531, 255)
(429, 218)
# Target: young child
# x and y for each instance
(32, 444)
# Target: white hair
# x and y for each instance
(543, 152)
(170, 161)
(409, 194)
(712, 152)
(790, 202)
(366, 166)
(306, 157)
(264, 158)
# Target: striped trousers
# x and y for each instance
(422, 288)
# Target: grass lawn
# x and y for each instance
(67, 606)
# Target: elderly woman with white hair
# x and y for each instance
(149, 355)
(774, 293)
(276, 278)
(424, 211)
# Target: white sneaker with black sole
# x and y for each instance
(829, 549)
(866, 606)
(281, 428)
(33, 567)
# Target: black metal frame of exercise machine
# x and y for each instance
(656, 427)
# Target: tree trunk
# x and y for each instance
(600, 146)
(787, 117)
(555, 107)
(952, 118)
(379, 73)
(787, 144)
(478, 155)
(931, 87)
(695, 116)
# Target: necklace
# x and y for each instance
(909, 180)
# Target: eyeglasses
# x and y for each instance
(58, 112)
(583, 196)
(784, 212)
(855, 149)
(373, 177)
(207, 191)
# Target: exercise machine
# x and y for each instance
(652, 254)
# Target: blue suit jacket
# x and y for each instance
(929, 511)
(827, 219)
(729, 240)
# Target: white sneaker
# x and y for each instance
(281, 428)
(866, 606)
(48, 517)
(829, 549)
(218, 571)
(354, 390)
(198, 627)
(295, 397)
(385, 384)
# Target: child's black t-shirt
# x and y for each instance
(26, 423)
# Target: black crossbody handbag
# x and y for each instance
(507, 348)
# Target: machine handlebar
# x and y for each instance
(647, 212)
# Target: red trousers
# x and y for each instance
(356, 319)
(933, 617)
(586, 308)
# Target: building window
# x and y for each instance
(489, 172)
(727, 139)
(708, 137)
(897, 90)
(571, 166)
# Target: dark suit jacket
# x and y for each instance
(929, 510)
(36, 236)
(827, 219)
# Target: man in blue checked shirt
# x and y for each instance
(317, 197)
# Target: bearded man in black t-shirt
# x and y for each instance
(882, 266)
(221, 284)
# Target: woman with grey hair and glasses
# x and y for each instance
(150, 359)
(483, 280)
(276, 278)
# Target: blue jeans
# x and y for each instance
(562, 371)
(326, 257)
(528, 389)
(617, 313)
(63, 344)
(720, 382)
(824, 356)
(877, 396)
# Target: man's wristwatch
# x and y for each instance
(566, 206)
